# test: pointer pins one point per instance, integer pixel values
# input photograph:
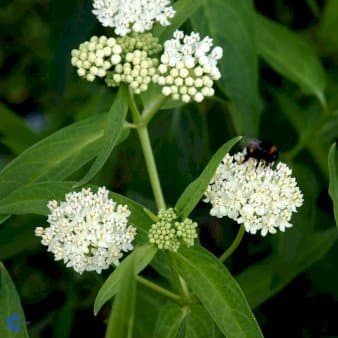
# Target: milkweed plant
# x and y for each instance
(158, 57)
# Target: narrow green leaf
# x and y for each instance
(63, 323)
(218, 292)
(231, 25)
(33, 199)
(11, 126)
(333, 173)
(112, 133)
(328, 27)
(170, 320)
(200, 324)
(258, 281)
(121, 319)
(12, 317)
(290, 55)
(141, 257)
(55, 157)
(195, 190)
(184, 9)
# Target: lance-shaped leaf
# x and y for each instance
(170, 321)
(333, 173)
(113, 130)
(231, 25)
(141, 256)
(218, 292)
(195, 190)
(121, 319)
(56, 156)
(12, 318)
(290, 55)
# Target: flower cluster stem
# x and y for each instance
(143, 134)
(234, 245)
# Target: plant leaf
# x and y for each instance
(56, 156)
(258, 281)
(121, 319)
(112, 133)
(200, 324)
(290, 55)
(12, 317)
(231, 24)
(141, 257)
(218, 292)
(195, 190)
(333, 174)
(170, 320)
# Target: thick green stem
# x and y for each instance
(164, 292)
(147, 149)
(234, 245)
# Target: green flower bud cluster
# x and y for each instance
(144, 42)
(137, 71)
(168, 233)
(96, 56)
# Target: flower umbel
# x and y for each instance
(132, 15)
(254, 194)
(88, 231)
(168, 234)
(96, 56)
(188, 67)
(137, 66)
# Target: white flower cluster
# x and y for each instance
(253, 193)
(88, 231)
(168, 234)
(137, 71)
(132, 15)
(96, 56)
(188, 67)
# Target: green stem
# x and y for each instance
(147, 149)
(234, 245)
(164, 292)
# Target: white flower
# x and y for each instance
(188, 67)
(132, 15)
(254, 194)
(88, 231)
(96, 56)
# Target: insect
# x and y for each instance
(260, 150)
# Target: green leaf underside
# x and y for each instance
(195, 190)
(55, 157)
(231, 25)
(218, 292)
(121, 319)
(290, 55)
(10, 308)
(257, 281)
(184, 9)
(112, 132)
(333, 174)
(170, 320)
(141, 256)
